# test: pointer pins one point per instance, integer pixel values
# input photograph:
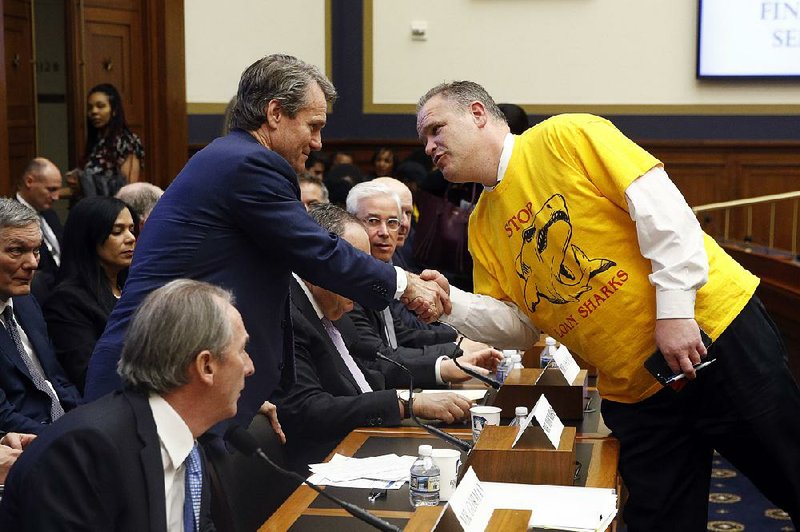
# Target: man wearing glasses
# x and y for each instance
(366, 331)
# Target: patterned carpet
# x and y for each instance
(735, 504)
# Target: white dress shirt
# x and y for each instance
(176, 443)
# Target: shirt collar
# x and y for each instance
(310, 297)
(172, 430)
(505, 157)
(4, 304)
(22, 200)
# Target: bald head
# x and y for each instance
(406, 205)
(40, 184)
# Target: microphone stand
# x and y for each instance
(461, 444)
(245, 443)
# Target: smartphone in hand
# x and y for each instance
(658, 367)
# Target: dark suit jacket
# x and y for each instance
(24, 408)
(46, 274)
(325, 403)
(417, 349)
(233, 217)
(97, 468)
(75, 320)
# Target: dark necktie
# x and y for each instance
(388, 324)
(193, 485)
(37, 374)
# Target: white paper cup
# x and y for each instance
(448, 461)
(483, 415)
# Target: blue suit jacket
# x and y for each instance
(24, 408)
(97, 468)
(233, 217)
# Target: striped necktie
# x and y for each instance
(37, 373)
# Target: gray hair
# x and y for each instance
(276, 77)
(169, 329)
(367, 190)
(307, 177)
(332, 218)
(141, 197)
(461, 94)
(15, 214)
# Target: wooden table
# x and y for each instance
(305, 510)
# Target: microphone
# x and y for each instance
(461, 444)
(245, 443)
(472, 373)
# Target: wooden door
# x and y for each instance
(20, 89)
(138, 46)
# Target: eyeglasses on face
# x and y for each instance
(392, 224)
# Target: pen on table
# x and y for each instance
(697, 367)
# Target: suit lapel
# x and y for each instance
(8, 346)
(150, 454)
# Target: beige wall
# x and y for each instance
(619, 56)
(223, 38)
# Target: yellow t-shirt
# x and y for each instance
(555, 237)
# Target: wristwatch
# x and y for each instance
(406, 408)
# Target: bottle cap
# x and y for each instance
(550, 340)
(521, 411)
(425, 450)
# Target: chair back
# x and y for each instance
(245, 489)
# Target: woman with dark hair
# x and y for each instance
(382, 163)
(114, 155)
(98, 248)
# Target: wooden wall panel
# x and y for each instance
(20, 88)
(5, 185)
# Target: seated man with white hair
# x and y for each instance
(380, 210)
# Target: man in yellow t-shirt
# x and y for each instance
(581, 234)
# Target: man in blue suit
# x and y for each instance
(233, 217)
(33, 387)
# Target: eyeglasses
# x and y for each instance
(392, 224)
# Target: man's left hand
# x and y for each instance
(680, 343)
(271, 411)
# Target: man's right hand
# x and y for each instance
(17, 440)
(426, 298)
(7, 458)
(448, 407)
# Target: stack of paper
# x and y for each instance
(382, 472)
(560, 507)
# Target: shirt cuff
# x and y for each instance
(671, 304)
(438, 370)
(402, 282)
(460, 300)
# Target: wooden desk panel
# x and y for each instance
(306, 511)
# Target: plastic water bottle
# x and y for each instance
(423, 488)
(516, 361)
(503, 367)
(547, 353)
(520, 413)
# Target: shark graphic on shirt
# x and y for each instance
(552, 266)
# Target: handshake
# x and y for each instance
(428, 295)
